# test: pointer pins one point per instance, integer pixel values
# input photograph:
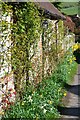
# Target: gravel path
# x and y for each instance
(72, 100)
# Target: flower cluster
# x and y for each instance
(72, 59)
(8, 99)
(75, 47)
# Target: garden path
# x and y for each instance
(72, 100)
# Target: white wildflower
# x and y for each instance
(45, 104)
(42, 107)
(51, 109)
(30, 98)
(44, 111)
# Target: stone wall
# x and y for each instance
(56, 43)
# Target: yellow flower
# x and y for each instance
(23, 102)
(75, 47)
(74, 58)
(70, 60)
(50, 102)
(65, 94)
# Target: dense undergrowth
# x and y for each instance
(43, 101)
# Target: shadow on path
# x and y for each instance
(75, 89)
(70, 111)
(72, 100)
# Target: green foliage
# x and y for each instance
(70, 11)
(66, 68)
(24, 35)
(25, 31)
(38, 104)
(70, 8)
(42, 101)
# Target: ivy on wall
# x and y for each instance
(25, 31)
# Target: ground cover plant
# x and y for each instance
(43, 101)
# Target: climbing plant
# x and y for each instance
(25, 31)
